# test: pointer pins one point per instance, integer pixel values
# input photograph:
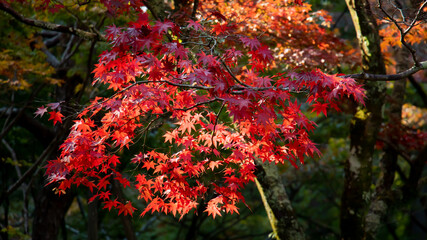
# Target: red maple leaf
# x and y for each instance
(105, 195)
(111, 203)
(161, 27)
(126, 209)
(103, 183)
(56, 117)
(219, 28)
(252, 43)
(187, 126)
(320, 108)
(196, 25)
(149, 165)
(299, 2)
(212, 208)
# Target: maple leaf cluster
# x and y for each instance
(211, 84)
(297, 36)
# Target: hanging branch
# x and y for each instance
(52, 26)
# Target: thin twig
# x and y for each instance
(199, 104)
(406, 31)
(52, 146)
(216, 122)
(21, 112)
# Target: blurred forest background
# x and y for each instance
(39, 66)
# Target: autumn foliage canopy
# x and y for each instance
(224, 81)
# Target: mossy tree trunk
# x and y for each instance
(277, 204)
(364, 126)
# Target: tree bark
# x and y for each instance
(49, 212)
(92, 224)
(277, 204)
(383, 196)
(364, 126)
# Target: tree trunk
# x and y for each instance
(93, 220)
(364, 126)
(49, 212)
(383, 196)
(277, 204)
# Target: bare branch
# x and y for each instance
(417, 15)
(401, 152)
(389, 77)
(52, 26)
(52, 146)
(50, 58)
(419, 89)
(7, 127)
(13, 155)
(406, 31)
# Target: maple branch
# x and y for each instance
(228, 225)
(233, 76)
(185, 85)
(160, 81)
(52, 26)
(89, 68)
(249, 86)
(389, 77)
(418, 223)
(199, 104)
(145, 131)
(170, 83)
(216, 121)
